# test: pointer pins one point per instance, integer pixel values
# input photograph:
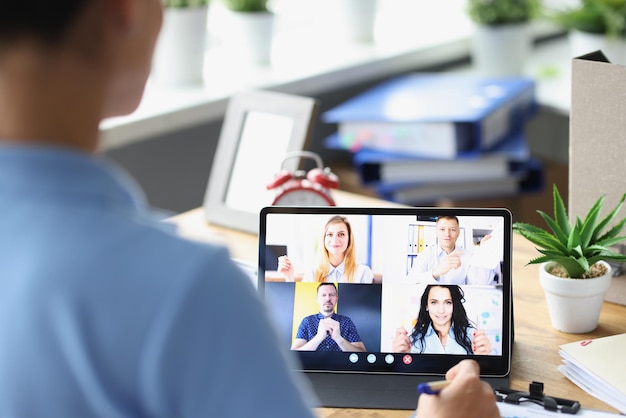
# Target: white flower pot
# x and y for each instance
(501, 50)
(574, 304)
(358, 18)
(248, 36)
(583, 42)
(179, 53)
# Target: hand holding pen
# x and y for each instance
(463, 394)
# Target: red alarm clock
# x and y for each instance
(301, 188)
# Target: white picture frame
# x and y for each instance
(259, 129)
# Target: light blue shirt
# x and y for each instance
(104, 312)
(431, 257)
(362, 275)
(432, 343)
(428, 259)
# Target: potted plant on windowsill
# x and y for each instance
(357, 19)
(594, 25)
(249, 31)
(254, 6)
(502, 39)
(574, 269)
(184, 3)
(179, 54)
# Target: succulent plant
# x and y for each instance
(579, 246)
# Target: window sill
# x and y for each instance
(165, 110)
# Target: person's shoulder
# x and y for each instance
(430, 330)
(308, 320)
(154, 248)
(363, 267)
(162, 236)
(365, 274)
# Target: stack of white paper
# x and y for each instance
(598, 367)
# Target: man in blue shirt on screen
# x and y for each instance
(326, 330)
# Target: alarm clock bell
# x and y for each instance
(301, 188)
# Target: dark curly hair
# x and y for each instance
(460, 322)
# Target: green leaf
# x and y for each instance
(606, 17)
(560, 214)
(495, 12)
(619, 258)
(614, 231)
(609, 218)
(574, 241)
(577, 251)
(558, 232)
(573, 266)
(588, 228)
(246, 5)
(541, 238)
(609, 242)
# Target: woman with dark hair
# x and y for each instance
(336, 259)
(442, 326)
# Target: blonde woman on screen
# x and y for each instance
(336, 258)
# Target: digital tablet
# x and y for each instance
(374, 301)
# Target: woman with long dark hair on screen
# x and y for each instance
(336, 260)
(442, 326)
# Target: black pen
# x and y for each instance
(432, 388)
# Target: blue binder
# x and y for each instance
(434, 115)
(382, 166)
(525, 177)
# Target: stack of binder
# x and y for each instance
(423, 137)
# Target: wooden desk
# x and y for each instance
(535, 352)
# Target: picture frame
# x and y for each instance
(259, 129)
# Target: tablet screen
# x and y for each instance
(396, 291)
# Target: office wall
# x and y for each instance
(172, 169)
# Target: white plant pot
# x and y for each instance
(574, 304)
(581, 43)
(501, 50)
(248, 36)
(358, 19)
(179, 53)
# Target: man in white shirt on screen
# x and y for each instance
(445, 262)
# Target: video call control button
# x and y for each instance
(371, 358)
(353, 358)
